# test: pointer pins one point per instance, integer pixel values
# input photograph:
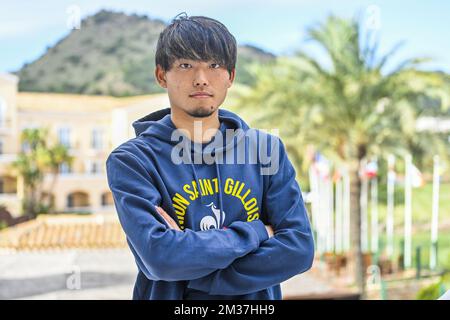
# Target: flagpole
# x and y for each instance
(313, 192)
(408, 212)
(338, 224)
(321, 212)
(374, 211)
(363, 203)
(435, 214)
(390, 206)
(316, 206)
(330, 214)
(346, 209)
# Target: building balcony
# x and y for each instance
(78, 209)
(6, 158)
(89, 209)
(79, 176)
(6, 127)
(8, 197)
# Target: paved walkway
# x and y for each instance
(98, 274)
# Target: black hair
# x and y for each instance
(197, 38)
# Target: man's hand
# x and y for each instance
(172, 224)
(269, 230)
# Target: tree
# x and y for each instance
(350, 106)
(35, 160)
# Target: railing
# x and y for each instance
(69, 176)
(8, 196)
(80, 209)
(7, 157)
(5, 124)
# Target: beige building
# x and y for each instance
(90, 126)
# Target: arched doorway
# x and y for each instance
(107, 199)
(8, 184)
(77, 199)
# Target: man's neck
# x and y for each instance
(206, 127)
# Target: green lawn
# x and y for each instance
(421, 217)
(422, 240)
(421, 206)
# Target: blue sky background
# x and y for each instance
(28, 27)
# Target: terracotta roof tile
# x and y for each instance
(64, 232)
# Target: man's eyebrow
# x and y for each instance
(187, 60)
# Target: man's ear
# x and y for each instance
(232, 76)
(160, 76)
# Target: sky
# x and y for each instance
(28, 27)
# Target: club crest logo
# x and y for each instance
(212, 221)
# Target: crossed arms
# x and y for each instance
(173, 225)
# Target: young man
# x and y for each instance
(218, 215)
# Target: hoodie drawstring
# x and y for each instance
(197, 182)
(219, 184)
(220, 189)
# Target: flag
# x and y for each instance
(416, 177)
(321, 166)
(371, 170)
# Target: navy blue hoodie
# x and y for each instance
(223, 250)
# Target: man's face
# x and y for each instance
(195, 87)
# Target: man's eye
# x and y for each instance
(215, 65)
(185, 65)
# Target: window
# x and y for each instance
(2, 112)
(107, 199)
(96, 140)
(64, 136)
(25, 147)
(70, 200)
(93, 167)
(78, 199)
(64, 168)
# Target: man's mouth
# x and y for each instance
(201, 95)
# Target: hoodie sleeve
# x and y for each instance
(289, 252)
(163, 253)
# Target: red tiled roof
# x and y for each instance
(64, 232)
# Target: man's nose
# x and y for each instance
(200, 79)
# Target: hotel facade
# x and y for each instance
(90, 126)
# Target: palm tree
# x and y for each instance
(350, 107)
(56, 155)
(35, 160)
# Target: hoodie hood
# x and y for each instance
(158, 124)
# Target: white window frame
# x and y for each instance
(3, 108)
(64, 136)
(97, 135)
(64, 168)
